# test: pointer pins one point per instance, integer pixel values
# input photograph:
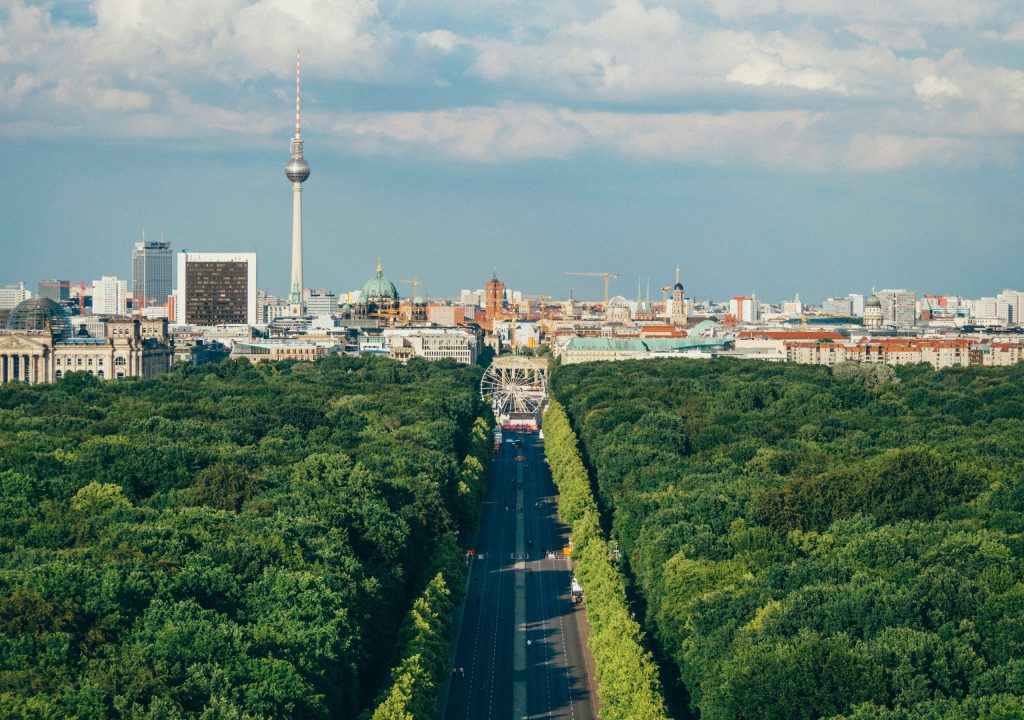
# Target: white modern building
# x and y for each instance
(1015, 300)
(321, 302)
(109, 296)
(857, 303)
(991, 311)
(11, 295)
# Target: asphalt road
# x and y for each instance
(558, 671)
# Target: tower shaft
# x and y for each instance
(295, 294)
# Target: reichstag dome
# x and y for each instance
(41, 314)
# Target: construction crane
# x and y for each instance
(606, 275)
(415, 282)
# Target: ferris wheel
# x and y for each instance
(514, 384)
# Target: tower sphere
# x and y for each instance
(297, 169)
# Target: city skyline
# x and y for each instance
(821, 151)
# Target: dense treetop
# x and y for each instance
(233, 541)
(818, 544)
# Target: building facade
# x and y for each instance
(109, 296)
(56, 290)
(456, 344)
(216, 289)
(321, 302)
(899, 307)
(11, 295)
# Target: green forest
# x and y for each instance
(807, 543)
(236, 541)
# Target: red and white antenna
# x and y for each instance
(298, 85)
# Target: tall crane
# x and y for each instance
(415, 282)
(605, 275)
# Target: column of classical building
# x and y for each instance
(16, 365)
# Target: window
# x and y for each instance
(120, 362)
(79, 361)
(90, 361)
(59, 375)
(99, 374)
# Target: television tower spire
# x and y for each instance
(297, 170)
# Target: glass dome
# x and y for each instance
(41, 314)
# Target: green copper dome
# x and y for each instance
(379, 288)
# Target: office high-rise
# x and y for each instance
(216, 289)
(152, 268)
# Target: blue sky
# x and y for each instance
(768, 146)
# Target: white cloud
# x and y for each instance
(808, 84)
(935, 91)
(764, 68)
(443, 40)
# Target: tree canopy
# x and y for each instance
(817, 544)
(232, 541)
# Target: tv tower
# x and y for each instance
(297, 170)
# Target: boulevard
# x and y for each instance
(528, 660)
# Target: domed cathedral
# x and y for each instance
(873, 311)
(379, 298)
(678, 314)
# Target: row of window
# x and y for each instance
(120, 362)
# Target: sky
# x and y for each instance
(819, 147)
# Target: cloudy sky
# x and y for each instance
(769, 146)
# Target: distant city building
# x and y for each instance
(109, 296)
(477, 298)
(991, 311)
(216, 289)
(793, 307)
(1015, 301)
(321, 302)
(899, 307)
(152, 273)
(275, 350)
(56, 290)
(744, 309)
(857, 304)
(449, 315)
(12, 295)
(839, 307)
(456, 344)
(938, 353)
(269, 307)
